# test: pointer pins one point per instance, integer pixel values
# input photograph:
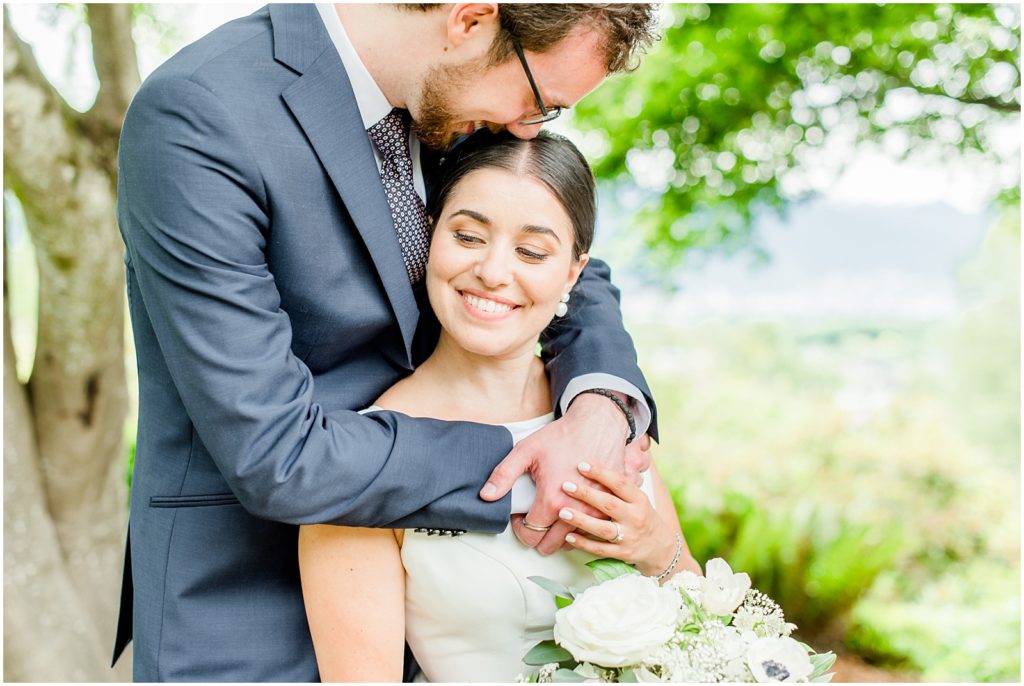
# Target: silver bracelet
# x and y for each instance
(675, 559)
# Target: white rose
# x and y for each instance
(778, 659)
(618, 622)
(721, 590)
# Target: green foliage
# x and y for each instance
(556, 589)
(608, 568)
(813, 563)
(566, 676)
(898, 515)
(985, 379)
(962, 625)
(738, 97)
(546, 652)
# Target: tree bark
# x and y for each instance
(65, 476)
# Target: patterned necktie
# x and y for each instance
(391, 136)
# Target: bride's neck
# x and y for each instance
(484, 388)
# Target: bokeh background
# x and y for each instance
(813, 212)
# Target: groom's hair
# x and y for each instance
(627, 29)
(549, 158)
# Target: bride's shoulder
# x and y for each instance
(409, 396)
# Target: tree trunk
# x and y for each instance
(64, 486)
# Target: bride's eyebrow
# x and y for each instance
(533, 228)
(476, 216)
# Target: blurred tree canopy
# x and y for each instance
(723, 115)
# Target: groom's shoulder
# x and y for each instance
(248, 36)
(224, 55)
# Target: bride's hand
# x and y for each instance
(593, 429)
(644, 538)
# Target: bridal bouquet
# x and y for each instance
(627, 628)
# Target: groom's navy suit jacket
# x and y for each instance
(269, 300)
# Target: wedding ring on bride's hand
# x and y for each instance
(619, 536)
(534, 527)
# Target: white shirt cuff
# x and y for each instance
(641, 411)
(524, 491)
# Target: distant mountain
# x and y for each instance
(827, 259)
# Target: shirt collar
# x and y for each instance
(370, 100)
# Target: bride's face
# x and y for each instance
(500, 260)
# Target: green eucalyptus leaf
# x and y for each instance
(608, 568)
(545, 652)
(628, 676)
(563, 676)
(822, 663)
(553, 587)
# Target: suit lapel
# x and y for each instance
(323, 103)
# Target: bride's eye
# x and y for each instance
(466, 239)
(531, 255)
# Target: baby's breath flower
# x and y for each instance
(761, 615)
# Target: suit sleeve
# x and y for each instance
(591, 339)
(193, 211)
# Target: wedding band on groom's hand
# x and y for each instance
(534, 527)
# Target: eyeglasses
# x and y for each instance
(543, 114)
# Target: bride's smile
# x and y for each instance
(501, 259)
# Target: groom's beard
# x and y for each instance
(436, 124)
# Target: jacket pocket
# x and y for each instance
(211, 500)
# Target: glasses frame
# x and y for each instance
(546, 114)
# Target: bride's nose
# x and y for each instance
(493, 268)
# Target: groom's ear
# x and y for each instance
(473, 21)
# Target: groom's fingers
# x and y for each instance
(505, 474)
(527, 537)
(638, 455)
(554, 538)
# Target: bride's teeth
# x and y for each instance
(486, 305)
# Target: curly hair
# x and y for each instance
(627, 29)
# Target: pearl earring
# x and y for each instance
(563, 306)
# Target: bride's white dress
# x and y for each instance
(471, 611)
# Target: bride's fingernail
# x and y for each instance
(584, 467)
(569, 487)
(489, 490)
(565, 513)
(569, 538)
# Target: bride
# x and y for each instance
(513, 220)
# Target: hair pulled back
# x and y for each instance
(549, 158)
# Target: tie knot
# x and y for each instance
(391, 134)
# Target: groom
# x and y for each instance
(270, 200)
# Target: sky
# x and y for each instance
(884, 239)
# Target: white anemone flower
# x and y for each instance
(689, 582)
(721, 590)
(778, 659)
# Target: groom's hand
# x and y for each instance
(592, 430)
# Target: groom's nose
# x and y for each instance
(524, 131)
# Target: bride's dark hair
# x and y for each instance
(549, 158)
